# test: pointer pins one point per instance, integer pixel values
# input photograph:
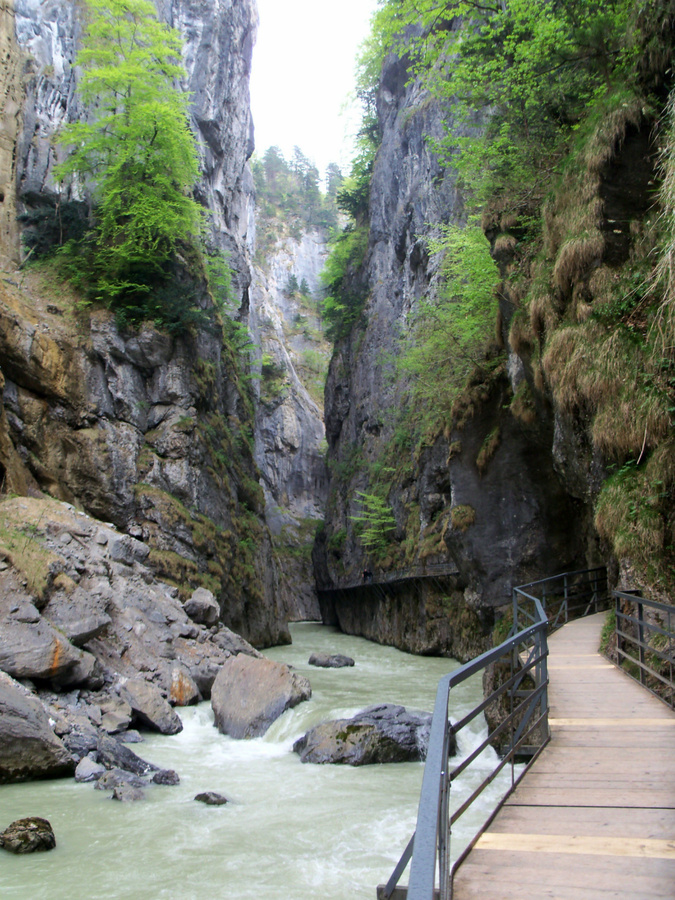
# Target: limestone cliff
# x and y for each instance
(500, 520)
(150, 432)
(290, 435)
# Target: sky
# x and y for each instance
(303, 74)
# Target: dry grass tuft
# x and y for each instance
(505, 245)
(523, 406)
(488, 449)
(462, 517)
(543, 316)
(521, 335)
(576, 258)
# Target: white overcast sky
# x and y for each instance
(303, 74)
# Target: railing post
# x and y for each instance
(641, 641)
(566, 598)
(617, 629)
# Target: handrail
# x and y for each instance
(645, 641)
(524, 725)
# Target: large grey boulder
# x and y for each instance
(149, 707)
(80, 615)
(30, 835)
(379, 734)
(114, 755)
(202, 607)
(249, 694)
(37, 650)
(28, 747)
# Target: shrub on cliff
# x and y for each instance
(135, 153)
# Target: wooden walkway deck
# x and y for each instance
(595, 815)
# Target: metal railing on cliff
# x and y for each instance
(517, 713)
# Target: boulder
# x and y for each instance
(379, 734)
(114, 778)
(183, 690)
(149, 707)
(88, 770)
(211, 798)
(28, 746)
(249, 694)
(113, 754)
(204, 674)
(126, 793)
(79, 615)
(30, 835)
(37, 650)
(202, 607)
(330, 660)
(166, 776)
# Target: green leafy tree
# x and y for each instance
(135, 151)
(377, 523)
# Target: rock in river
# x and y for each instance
(379, 734)
(249, 694)
(330, 660)
(28, 836)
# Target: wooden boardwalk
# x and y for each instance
(595, 815)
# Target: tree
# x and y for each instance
(378, 523)
(135, 152)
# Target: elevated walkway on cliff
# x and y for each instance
(588, 811)
(380, 580)
(595, 815)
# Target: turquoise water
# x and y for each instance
(291, 832)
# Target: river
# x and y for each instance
(291, 832)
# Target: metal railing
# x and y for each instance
(518, 710)
(563, 597)
(433, 570)
(645, 643)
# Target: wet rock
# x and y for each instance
(379, 734)
(233, 643)
(166, 776)
(125, 793)
(28, 746)
(88, 770)
(249, 694)
(184, 690)
(114, 754)
(202, 607)
(330, 661)
(115, 778)
(204, 675)
(212, 798)
(132, 737)
(149, 707)
(29, 835)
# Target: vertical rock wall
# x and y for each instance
(518, 522)
(148, 431)
(11, 103)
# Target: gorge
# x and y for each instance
(145, 466)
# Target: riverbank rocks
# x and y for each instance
(28, 746)
(379, 734)
(249, 694)
(330, 660)
(30, 835)
(149, 707)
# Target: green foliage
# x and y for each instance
(450, 332)
(343, 303)
(377, 524)
(531, 66)
(135, 151)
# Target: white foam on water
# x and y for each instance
(291, 832)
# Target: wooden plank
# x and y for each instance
(648, 823)
(577, 844)
(581, 797)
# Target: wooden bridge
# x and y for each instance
(595, 815)
(592, 815)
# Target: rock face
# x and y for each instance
(30, 835)
(28, 746)
(249, 694)
(379, 734)
(144, 430)
(149, 707)
(500, 523)
(289, 433)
